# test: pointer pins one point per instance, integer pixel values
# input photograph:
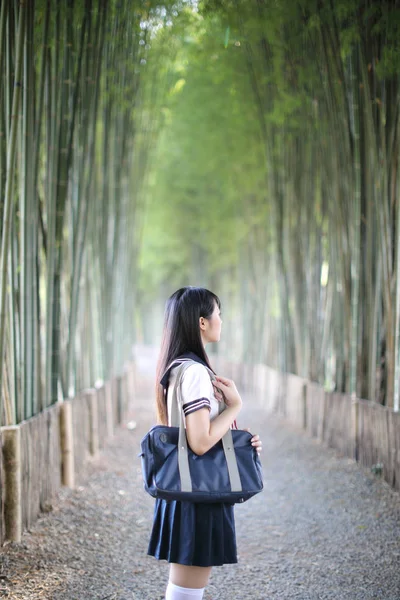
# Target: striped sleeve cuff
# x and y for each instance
(194, 405)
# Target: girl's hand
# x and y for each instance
(255, 441)
(217, 393)
(228, 388)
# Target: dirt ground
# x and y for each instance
(322, 528)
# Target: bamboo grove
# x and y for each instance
(281, 139)
(248, 145)
(72, 124)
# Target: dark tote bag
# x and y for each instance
(229, 472)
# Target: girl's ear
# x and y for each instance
(202, 323)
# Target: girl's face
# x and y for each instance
(210, 328)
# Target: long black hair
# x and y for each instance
(181, 333)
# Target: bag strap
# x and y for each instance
(176, 404)
(177, 420)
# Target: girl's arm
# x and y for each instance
(203, 434)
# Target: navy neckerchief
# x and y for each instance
(165, 378)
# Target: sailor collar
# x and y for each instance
(177, 361)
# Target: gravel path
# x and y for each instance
(323, 528)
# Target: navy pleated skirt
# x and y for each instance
(188, 533)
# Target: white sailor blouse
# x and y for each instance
(197, 388)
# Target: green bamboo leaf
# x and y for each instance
(227, 34)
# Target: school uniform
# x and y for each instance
(190, 533)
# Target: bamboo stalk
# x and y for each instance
(11, 155)
(355, 220)
(84, 204)
(396, 370)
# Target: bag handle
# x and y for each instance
(176, 407)
(183, 458)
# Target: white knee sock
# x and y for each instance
(175, 592)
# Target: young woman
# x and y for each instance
(193, 537)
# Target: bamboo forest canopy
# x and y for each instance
(250, 146)
(274, 182)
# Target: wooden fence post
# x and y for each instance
(304, 397)
(94, 422)
(123, 395)
(322, 411)
(67, 444)
(108, 390)
(117, 398)
(355, 427)
(12, 482)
